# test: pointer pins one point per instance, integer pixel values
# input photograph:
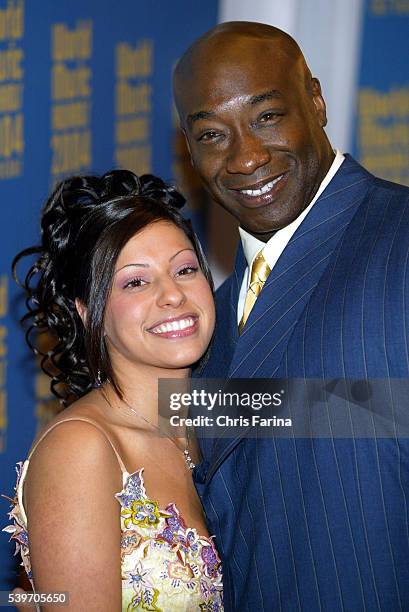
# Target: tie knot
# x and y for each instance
(259, 273)
(259, 270)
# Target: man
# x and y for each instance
(300, 523)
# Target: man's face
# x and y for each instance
(254, 129)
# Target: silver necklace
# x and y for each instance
(186, 454)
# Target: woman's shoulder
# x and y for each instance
(72, 465)
(76, 439)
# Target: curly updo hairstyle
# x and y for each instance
(85, 224)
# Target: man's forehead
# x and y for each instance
(245, 79)
(235, 49)
(224, 57)
(234, 42)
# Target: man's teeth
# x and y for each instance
(173, 326)
(264, 189)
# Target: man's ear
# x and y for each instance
(82, 310)
(319, 102)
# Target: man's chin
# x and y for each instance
(261, 234)
(264, 228)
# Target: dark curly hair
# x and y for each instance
(85, 224)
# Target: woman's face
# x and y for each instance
(160, 311)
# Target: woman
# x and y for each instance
(108, 503)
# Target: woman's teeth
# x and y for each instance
(173, 326)
(264, 189)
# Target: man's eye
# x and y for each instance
(270, 116)
(135, 282)
(210, 135)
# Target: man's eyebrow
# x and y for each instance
(273, 94)
(200, 115)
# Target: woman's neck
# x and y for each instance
(139, 388)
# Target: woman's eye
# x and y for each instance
(135, 282)
(187, 270)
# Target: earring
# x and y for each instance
(98, 382)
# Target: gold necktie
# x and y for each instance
(259, 273)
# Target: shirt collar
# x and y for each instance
(252, 245)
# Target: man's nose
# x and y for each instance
(170, 293)
(247, 153)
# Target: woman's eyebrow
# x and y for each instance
(181, 251)
(145, 265)
(139, 265)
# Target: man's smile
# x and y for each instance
(261, 193)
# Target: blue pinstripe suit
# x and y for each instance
(318, 524)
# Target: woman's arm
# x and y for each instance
(73, 517)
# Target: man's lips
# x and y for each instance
(261, 192)
(175, 327)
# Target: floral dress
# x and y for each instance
(166, 566)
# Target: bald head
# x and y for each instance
(253, 118)
(235, 37)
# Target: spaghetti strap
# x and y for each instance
(86, 420)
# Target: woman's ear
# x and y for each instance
(82, 310)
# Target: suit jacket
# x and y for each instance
(318, 524)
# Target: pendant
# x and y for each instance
(188, 459)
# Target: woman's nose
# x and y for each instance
(170, 294)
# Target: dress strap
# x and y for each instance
(86, 420)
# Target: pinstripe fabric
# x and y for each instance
(318, 524)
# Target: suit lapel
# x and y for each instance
(260, 348)
(293, 279)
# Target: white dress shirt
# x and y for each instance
(277, 243)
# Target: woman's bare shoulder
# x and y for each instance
(75, 443)
(72, 514)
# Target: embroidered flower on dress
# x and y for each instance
(137, 509)
(180, 571)
(130, 540)
(210, 606)
(185, 566)
(166, 566)
(143, 513)
(211, 561)
(17, 529)
(175, 531)
(133, 490)
(146, 595)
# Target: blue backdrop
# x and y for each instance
(381, 134)
(84, 84)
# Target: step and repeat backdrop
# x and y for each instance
(84, 85)
(381, 129)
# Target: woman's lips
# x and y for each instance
(176, 328)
